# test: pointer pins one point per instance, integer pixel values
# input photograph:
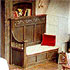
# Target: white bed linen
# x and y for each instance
(3, 64)
(38, 49)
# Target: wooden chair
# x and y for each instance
(67, 66)
(64, 60)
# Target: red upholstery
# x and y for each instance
(48, 40)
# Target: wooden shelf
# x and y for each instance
(27, 8)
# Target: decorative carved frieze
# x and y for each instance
(29, 20)
(19, 23)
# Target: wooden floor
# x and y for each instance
(44, 66)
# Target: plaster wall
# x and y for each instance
(69, 21)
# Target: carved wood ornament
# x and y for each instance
(40, 4)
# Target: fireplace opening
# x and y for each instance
(68, 46)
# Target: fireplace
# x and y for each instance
(68, 46)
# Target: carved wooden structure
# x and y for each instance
(7, 12)
(27, 31)
(24, 4)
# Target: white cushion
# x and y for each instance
(3, 64)
(38, 49)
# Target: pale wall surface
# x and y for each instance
(69, 20)
(41, 10)
(57, 20)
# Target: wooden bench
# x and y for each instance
(25, 32)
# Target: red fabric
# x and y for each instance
(48, 40)
(15, 14)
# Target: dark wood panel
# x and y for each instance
(2, 29)
(17, 57)
(38, 32)
(29, 33)
(31, 60)
(52, 55)
(41, 57)
(43, 28)
(18, 33)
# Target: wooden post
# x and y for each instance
(24, 53)
(10, 60)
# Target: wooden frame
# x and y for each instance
(62, 58)
(24, 1)
(3, 29)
